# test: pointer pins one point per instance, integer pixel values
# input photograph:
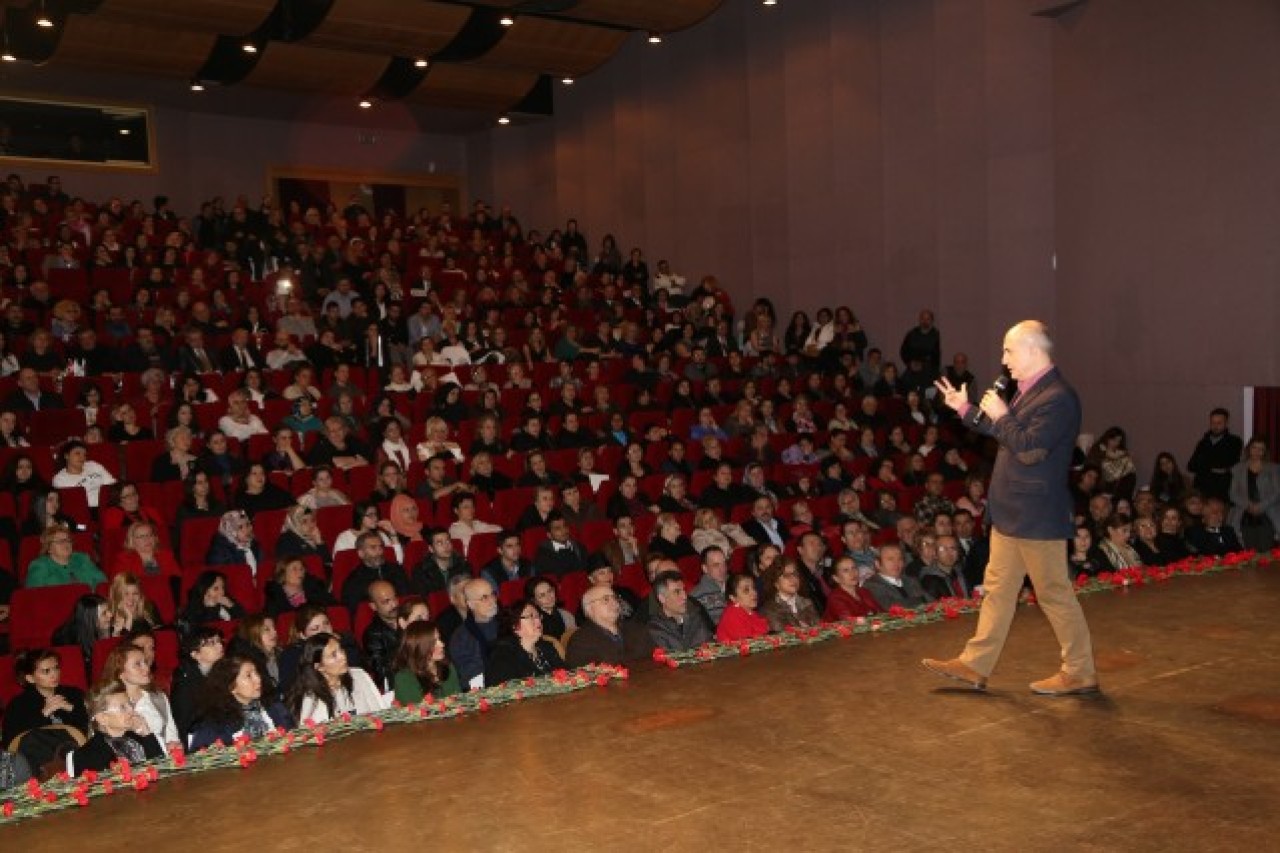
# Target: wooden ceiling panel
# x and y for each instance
(91, 43)
(389, 27)
(665, 16)
(471, 86)
(544, 45)
(226, 17)
(314, 69)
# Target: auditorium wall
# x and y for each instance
(1111, 171)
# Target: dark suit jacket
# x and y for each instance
(188, 363)
(550, 561)
(756, 531)
(1030, 496)
(229, 359)
(19, 402)
(910, 594)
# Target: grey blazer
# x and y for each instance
(1268, 493)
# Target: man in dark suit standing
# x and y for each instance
(1030, 511)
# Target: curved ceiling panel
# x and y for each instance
(229, 17)
(314, 69)
(472, 87)
(541, 44)
(394, 27)
(89, 42)
(665, 16)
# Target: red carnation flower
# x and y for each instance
(153, 774)
(141, 782)
(484, 706)
(659, 655)
(108, 787)
(602, 680)
(744, 650)
(82, 798)
(377, 723)
(8, 808)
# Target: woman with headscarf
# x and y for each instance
(404, 519)
(234, 543)
(300, 537)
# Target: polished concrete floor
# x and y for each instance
(846, 746)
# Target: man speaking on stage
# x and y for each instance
(1029, 511)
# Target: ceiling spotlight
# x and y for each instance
(365, 103)
(655, 37)
(420, 62)
(249, 47)
(124, 131)
(507, 20)
(197, 86)
(771, 2)
(44, 21)
(568, 81)
(8, 56)
(504, 120)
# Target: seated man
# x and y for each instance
(381, 639)
(604, 637)
(934, 502)
(762, 526)
(470, 644)
(602, 574)
(1213, 537)
(440, 563)
(857, 544)
(710, 591)
(437, 484)
(240, 423)
(625, 548)
(373, 567)
(509, 564)
(575, 510)
(559, 554)
(945, 577)
(538, 513)
(676, 623)
(890, 586)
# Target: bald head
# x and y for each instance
(1028, 349)
(383, 600)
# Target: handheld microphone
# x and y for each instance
(999, 386)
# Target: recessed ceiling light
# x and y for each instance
(249, 47)
(507, 20)
(8, 56)
(771, 2)
(420, 62)
(504, 120)
(655, 38)
(124, 131)
(365, 103)
(197, 86)
(568, 81)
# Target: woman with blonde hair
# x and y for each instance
(142, 554)
(128, 606)
(437, 440)
(709, 531)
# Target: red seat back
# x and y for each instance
(36, 613)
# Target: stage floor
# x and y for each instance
(844, 746)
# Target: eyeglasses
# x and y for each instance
(606, 599)
(117, 709)
(212, 641)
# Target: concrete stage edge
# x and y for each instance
(844, 746)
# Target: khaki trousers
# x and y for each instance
(1045, 561)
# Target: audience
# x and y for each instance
(521, 651)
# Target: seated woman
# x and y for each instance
(629, 500)
(46, 513)
(257, 494)
(78, 470)
(1146, 543)
(127, 663)
(300, 537)
(420, 667)
(405, 520)
(201, 649)
(44, 700)
(364, 517)
(130, 610)
(309, 620)
(207, 601)
(708, 530)
(322, 492)
(125, 508)
(1115, 548)
(541, 591)
(197, 502)
(90, 621)
(437, 441)
(1172, 536)
(292, 586)
(257, 639)
(142, 555)
(675, 495)
(668, 539)
(234, 543)
(1083, 557)
(847, 600)
(784, 606)
(119, 732)
(60, 563)
(232, 704)
(125, 427)
(521, 651)
(177, 462)
(740, 621)
(327, 687)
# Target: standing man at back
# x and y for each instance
(1215, 454)
(1030, 510)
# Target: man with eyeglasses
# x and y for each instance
(604, 636)
(945, 578)
(471, 643)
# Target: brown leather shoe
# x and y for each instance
(956, 670)
(1062, 684)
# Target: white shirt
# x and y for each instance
(92, 478)
(241, 431)
(364, 698)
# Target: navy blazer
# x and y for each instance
(1030, 495)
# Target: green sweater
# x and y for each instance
(45, 572)
(409, 690)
